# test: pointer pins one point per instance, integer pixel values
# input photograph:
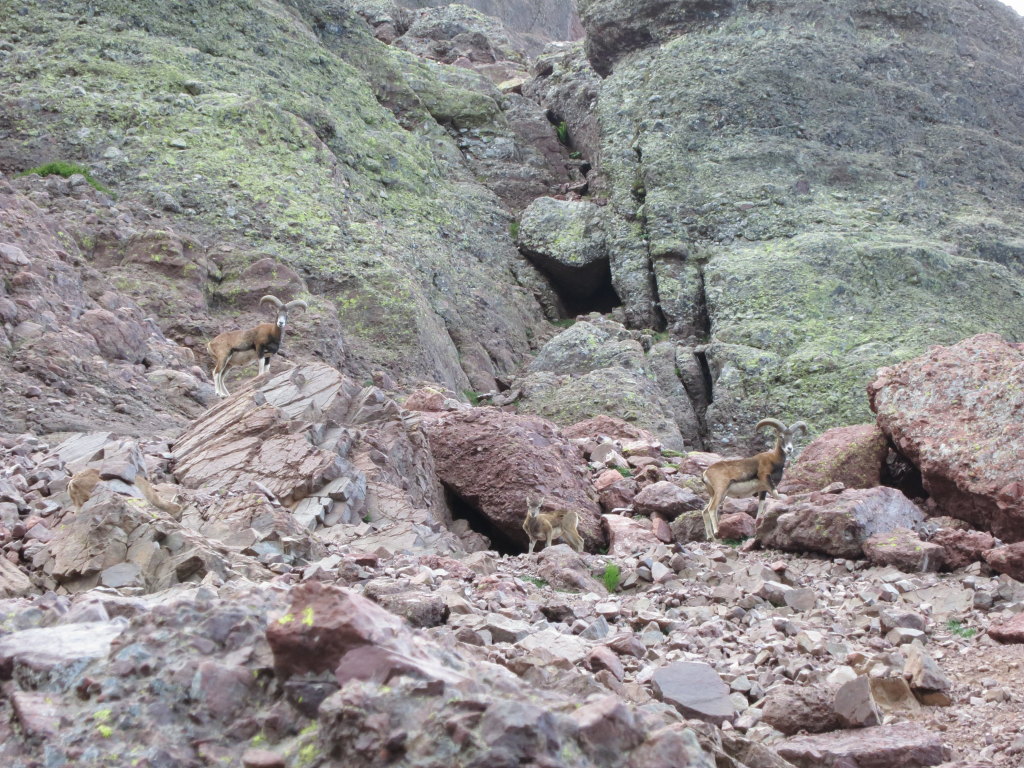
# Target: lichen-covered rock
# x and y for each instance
(835, 524)
(955, 413)
(598, 367)
(807, 271)
(853, 456)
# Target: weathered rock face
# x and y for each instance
(906, 744)
(801, 236)
(313, 440)
(493, 460)
(598, 367)
(852, 456)
(955, 413)
(835, 524)
(350, 215)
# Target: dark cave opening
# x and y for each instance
(580, 290)
(900, 473)
(462, 509)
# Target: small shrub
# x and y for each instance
(473, 397)
(513, 230)
(537, 582)
(957, 628)
(610, 577)
(732, 542)
(562, 129)
(624, 471)
(565, 322)
(670, 454)
(65, 170)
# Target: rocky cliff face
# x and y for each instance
(812, 190)
(286, 131)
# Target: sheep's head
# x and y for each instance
(282, 308)
(785, 434)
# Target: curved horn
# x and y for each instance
(775, 423)
(798, 425)
(296, 303)
(272, 299)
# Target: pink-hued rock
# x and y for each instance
(696, 462)
(494, 459)
(955, 412)
(963, 547)
(627, 536)
(426, 399)
(618, 494)
(851, 455)
(791, 709)
(736, 526)
(1011, 631)
(607, 426)
(835, 524)
(908, 745)
(666, 498)
(904, 549)
(327, 628)
(1008, 559)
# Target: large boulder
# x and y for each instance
(955, 413)
(852, 456)
(493, 460)
(835, 524)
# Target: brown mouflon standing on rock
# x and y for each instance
(545, 526)
(740, 478)
(237, 348)
(83, 483)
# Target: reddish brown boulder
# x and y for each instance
(1008, 559)
(835, 524)
(904, 549)
(963, 547)
(791, 709)
(852, 456)
(736, 527)
(955, 413)
(1011, 631)
(667, 499)
(493, 460)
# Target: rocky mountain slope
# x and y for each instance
(733, 210)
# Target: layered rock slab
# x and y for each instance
(320, 444)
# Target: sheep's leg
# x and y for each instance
(532, 542)
(760, 502)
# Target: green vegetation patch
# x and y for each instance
(67, 170)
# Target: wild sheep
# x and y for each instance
(740, 478)
(238, 348)
(545, 526)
